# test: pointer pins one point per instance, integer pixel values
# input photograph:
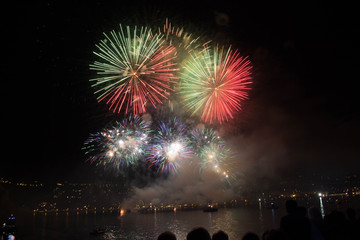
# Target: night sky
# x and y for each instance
(302, 115)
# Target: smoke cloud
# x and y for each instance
(188, 186)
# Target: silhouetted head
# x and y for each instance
(274, 234)
(220, 235)
(250, 236)
(335, 218)
(166, 236)
(291, 206)
(198, 233)
(301, 211)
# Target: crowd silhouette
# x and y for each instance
(298, 223)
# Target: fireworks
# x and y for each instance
(122, 144)
(135, 69)
(177, 37)
(212, 151)
(214, 83)
(216, 158)
(171, 146)
(202, 137)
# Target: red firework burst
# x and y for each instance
(137, 70)
(214, 84)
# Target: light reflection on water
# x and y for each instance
(135, 226)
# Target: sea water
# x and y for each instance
(234, 221)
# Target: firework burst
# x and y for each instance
(201, 137)
(214, 83)
(121, 145)
(215, 157)
(212, 152)
(221, 160)
(170, 147)
(135, 69)
(179, 38)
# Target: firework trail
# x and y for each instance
(212, 151)
(135, 69)
(217, 158)
(214, 83)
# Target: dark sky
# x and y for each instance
(302, 115)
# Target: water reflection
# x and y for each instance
(43, 232)
(261, 219)
(222, 221)
(177, 228)
(210, 218)
(321, 206)
(273, 218)
(235, 222)
(155, 220)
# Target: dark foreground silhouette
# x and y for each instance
(298, 223)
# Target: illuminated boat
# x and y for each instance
(210, 208)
